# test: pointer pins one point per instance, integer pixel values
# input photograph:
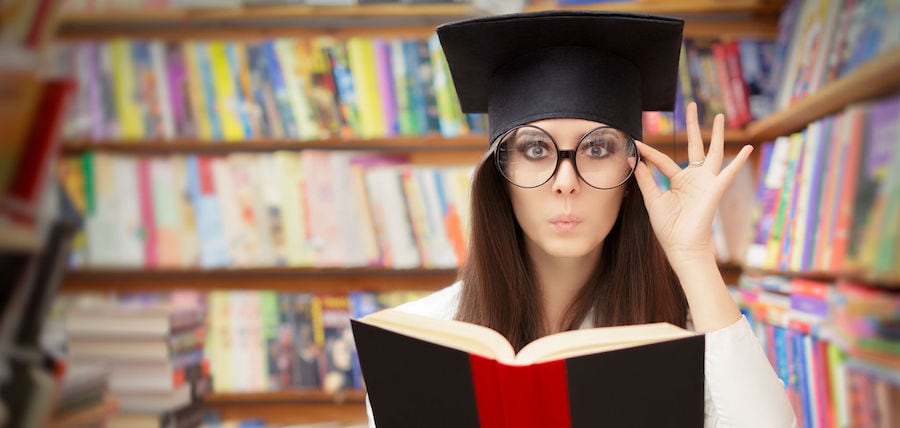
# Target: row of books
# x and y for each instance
(829, 195)
(310, 208)
(288, 340)
(152, 355)
(322, 87)
(834, 345)
(730, 77)
(118, 5)
(158, 347)
(820, 41)
(285, 88)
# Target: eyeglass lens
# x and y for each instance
(528, 157)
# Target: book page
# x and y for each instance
(460, 335)
(583, 342)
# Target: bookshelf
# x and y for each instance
(885, 282)
(754, 19)
(880, 76)
(477, 144)
(706, 18)
(282, 407)
(285, 279)
(731, 18)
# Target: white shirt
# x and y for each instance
(742, 389)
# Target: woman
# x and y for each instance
(569, 229)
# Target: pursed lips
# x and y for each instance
(565, 222)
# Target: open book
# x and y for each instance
(422, 371)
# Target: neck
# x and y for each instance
(559, 279)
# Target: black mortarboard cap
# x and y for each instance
(600, 66)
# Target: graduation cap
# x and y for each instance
(600, 66)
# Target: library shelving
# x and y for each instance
(880, 76)
(475, 144)
(286, 279)
(747, 18)
(886, 282)
(283, 406)
(731, 18)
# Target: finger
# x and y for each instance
(646, 183)
(695, 139)
(664, 163)
(716, 145)
(727, 174)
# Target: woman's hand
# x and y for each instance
(682, 216)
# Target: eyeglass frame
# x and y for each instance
(564, 154)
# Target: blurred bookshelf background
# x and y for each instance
(196, 196)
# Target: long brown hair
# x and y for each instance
(632, 281)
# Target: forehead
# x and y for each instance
(567, 128)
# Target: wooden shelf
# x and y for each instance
(674, 7)
(290, 407)
(706, 18)
(389, 144)
(286, 279)
(880, 76)
(287, 396)
(426, 143)
(394, 19)
(887, 282)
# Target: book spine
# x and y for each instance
(41, 144)
(145, 195)
(386, 87)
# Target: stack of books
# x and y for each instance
(83, 397)
(158, 373)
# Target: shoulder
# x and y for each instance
(441, 304)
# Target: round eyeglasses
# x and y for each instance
(528, 156)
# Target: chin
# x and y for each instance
(568, 249)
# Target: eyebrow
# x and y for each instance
(530, 132)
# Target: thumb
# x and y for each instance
(645, 182)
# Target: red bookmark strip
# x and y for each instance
(485, 380)
(521, 397)
(554, 393)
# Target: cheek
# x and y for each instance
(606, 208)
(525, 205)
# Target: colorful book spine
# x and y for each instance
(361, 58)
(196, 94)
(451, 120)
(177, 77)
(280, 91)
(208, 85)
(226, 96)
(125, 89)
(237, 62)
(346, 91)
(387, 93)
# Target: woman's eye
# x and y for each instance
(534, 149)
(596, 149)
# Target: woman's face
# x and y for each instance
(565, 217)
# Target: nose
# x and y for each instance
(566, 180)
